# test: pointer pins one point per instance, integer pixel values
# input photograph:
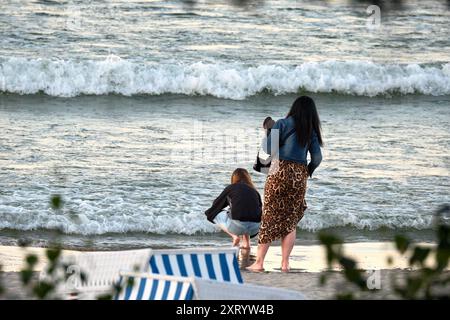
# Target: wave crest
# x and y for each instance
(69, 78)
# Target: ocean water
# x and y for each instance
(137, 113)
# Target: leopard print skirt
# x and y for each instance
(284, 200)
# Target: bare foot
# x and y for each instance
(285, 268)
(236, 241)
(255, 268)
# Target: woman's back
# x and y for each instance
(246, 204)
(244, 201)
(291, 149)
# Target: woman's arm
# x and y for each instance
(218, 204)
(316, 154)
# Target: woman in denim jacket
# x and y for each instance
(284, 192)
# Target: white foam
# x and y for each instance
(97, 222)
(68, 78)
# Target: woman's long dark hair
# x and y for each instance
(306, 119)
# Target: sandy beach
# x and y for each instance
(308, 265)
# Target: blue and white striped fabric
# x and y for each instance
(162, 287)
(212, 264)
(151, 287)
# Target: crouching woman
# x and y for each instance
(243, 217)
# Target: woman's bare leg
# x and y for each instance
(246, 241)
(235, 238)
(287, 243)
(260, 256)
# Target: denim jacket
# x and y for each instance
(290, 148)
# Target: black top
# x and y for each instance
(244, 201)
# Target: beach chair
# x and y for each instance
(101, 270)
(162, 287)
(219, 264)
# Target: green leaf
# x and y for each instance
(83, 277)
(26, 275)
(117, 288)
(443, 237)
(53, 254)
(329, 239)
(442, 258)
(329, 256)
(355, 276)
(344, 296)
(402, 243)
(31, 260)
(130, 282)
(443, 209)
(43, 289)
(2, 290)
(427, 272)
(322, 279)
(419, 255)
(347, 263)
(413, 286)
(332, 246)
(390, 260)
(56, 202)
(51, 269)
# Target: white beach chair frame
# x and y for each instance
(101, 269)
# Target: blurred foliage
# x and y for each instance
(118, 287)
(38, 288)
(335, 255)
(431, 277)
(56, 202)
(427, 280)
(54, 273)
(2, 289)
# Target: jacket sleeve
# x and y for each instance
(218, 204)
(260, 201)
(316, 154)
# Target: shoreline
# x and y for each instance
(136, 240)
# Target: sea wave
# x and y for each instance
(69, 78)
(90, 223)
